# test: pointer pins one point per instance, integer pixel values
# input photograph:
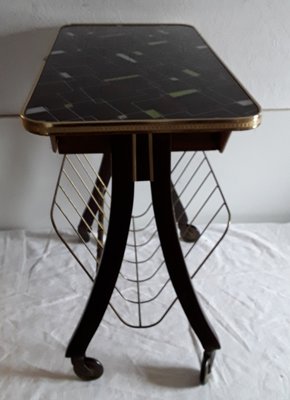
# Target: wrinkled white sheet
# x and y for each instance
(244, 288)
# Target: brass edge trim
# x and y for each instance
(95, 127)
(41, 128)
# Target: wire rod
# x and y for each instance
(96, 174)
(88, 190)
(212, 250)
(193, 196)
(82, 218)
(184, 169)
(56, 228)
(79, 236)
(93, 181)
(191, 178)
(83, 200)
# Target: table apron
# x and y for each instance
(98, 143)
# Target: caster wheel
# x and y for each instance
(206, 366)
(87, 368)
(189, 233)
(83, 231)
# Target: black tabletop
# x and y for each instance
(125, 73)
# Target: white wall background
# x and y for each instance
(252, 37)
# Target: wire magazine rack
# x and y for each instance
(80, 215)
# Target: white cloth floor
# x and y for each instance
(244, 289)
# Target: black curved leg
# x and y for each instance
(121, 209)
(96, 201)
(189, 233)
(165, 221)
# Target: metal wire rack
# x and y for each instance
(143, 294)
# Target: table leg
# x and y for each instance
(120, 216)
(164, 216)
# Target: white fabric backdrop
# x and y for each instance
(244, 289)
